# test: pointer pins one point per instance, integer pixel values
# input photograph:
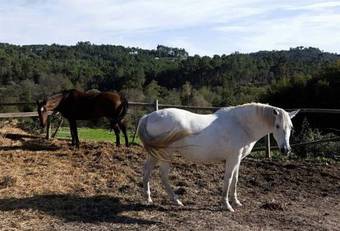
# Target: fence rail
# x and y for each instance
(332, 139)
(156, 106)
(17, 104)
(142, 104)
(19, 114)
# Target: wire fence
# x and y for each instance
(156, 106)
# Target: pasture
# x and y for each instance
(93, 134)
(48, 185)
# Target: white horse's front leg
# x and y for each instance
(234, 186)
(230, 168)
(148, 167)
(245, 153)
(164, 169)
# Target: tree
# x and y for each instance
(186, 93)
(152, 91)
(221, 80)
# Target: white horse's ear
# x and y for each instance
(292, 114)
(275, 112)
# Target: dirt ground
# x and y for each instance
(46, 185)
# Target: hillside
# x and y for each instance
(31, 72)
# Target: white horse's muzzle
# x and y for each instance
(285, 149)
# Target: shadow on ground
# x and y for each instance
(35, 144)
(73, 208)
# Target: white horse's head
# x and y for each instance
(282, 128)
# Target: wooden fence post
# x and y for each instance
(267, 142)
(48, 128)
(156, 105)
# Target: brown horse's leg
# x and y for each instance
(74, 133)
(117, 133)
(123, 128)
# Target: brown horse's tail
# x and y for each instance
(124, 106)
(121, 110)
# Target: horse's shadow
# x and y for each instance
(33, 143)
(72, 208)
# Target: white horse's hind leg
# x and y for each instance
(164, 169)
(148, 167)
(234, 186)
(230, 168)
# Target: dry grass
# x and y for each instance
(47, 185)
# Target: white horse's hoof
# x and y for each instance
(228, 207)
(237, 203)
(179, 203)
(149, 201)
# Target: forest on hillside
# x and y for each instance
(299, 77)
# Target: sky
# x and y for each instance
(203, 27)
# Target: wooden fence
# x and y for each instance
(156, 105)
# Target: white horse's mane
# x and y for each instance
(264, 110)
(259, 108)
(246, 105)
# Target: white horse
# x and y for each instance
(228, 135)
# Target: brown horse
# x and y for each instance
(76, 105)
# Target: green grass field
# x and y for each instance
(94, 134)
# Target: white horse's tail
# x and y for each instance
(139, 124)
(156, 146)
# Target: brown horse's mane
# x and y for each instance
(53, 101)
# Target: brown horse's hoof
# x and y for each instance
(74, 146)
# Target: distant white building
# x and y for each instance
(133, 52)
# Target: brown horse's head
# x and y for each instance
(42, 112)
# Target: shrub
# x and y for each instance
(319, 150)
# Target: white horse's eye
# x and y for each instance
(277, 126)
